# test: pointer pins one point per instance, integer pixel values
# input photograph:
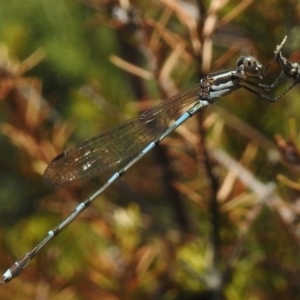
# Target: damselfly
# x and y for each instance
(123, 145)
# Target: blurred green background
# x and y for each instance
(184, 222)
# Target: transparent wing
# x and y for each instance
(115, 147)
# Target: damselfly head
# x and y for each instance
(249, 65)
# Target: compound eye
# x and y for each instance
(240, 61)
(251, 65)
